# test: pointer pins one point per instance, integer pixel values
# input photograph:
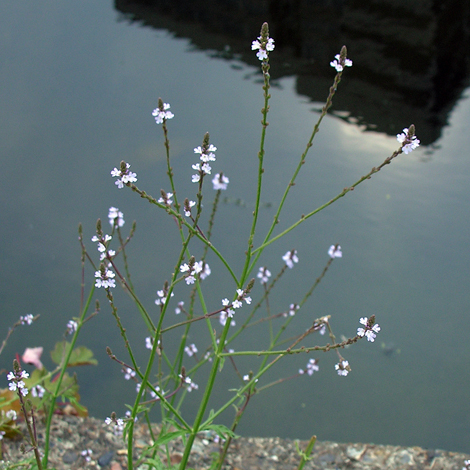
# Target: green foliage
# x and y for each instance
(81, 355)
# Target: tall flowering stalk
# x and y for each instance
(175, 379)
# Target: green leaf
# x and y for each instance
(81, 355)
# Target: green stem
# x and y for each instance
(331, 201)
(65, 362)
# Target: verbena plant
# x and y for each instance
(166, 378)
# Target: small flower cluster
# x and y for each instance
(220, 182)
(263, 275)
(104, 278)
(188, 205)
(116, 217)
(229, 311)
(179, 308)
(370, 331)
(27, 319)
(71, 327)
(312, 366)
(263, 46)
(123, 175)
(190, 350)
(207, 155)
(128, 373)
(340, 62)
(190, 385)
(343, 368)
(118, 423)
(193, 269)
(466, 465)
(321, 325)
(290, 258)
(16, 382)
(162, 295)
(408, 140)
(38, 391)
(292, 309)
(335, 252)
(161, 114)
(166, 198)
(102, 242)
(86, 454)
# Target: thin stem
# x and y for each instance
(331, 201)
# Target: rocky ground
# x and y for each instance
(73, 436)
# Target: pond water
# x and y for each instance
(79, 83)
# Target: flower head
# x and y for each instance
(71, 327)
(161, 113)
(16, 382)
(263, 275)
(290, 258)
(371, 328)
(335, 251)
(27, 319)
(116, 217)
(343, 368)
(408, 140)
(190, 350)
(123, 175)
(220, 182)
(312, 366)
(104, 278)
(341, 61)
(263, 44)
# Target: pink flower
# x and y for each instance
(33, 356)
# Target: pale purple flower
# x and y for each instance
(116, 217)
(105, 278)
(220, 182)
(370, 331)
(207, 156)
(71, 327)
(335, 251)
(128, 373)
(27, 319)
(290, 258)
(87, 454)
(312, 366)
(292, 309)
(409, 142)
(162, 296)
(123, 175)
(190, 350)
(263, 275)
(339, 64)
(166, 199)
(11, 415)
(162, 114)
(38, 391)
(343, 368)
(179, 308)
(192, 271)
(203, 269)
(262, 49)
(16, 384)
(187, 210)
(190, 385)
(224, 314)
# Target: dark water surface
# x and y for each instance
(79, 83)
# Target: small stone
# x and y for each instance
(69, 457)
(106, 458)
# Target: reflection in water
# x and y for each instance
(413, 56)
